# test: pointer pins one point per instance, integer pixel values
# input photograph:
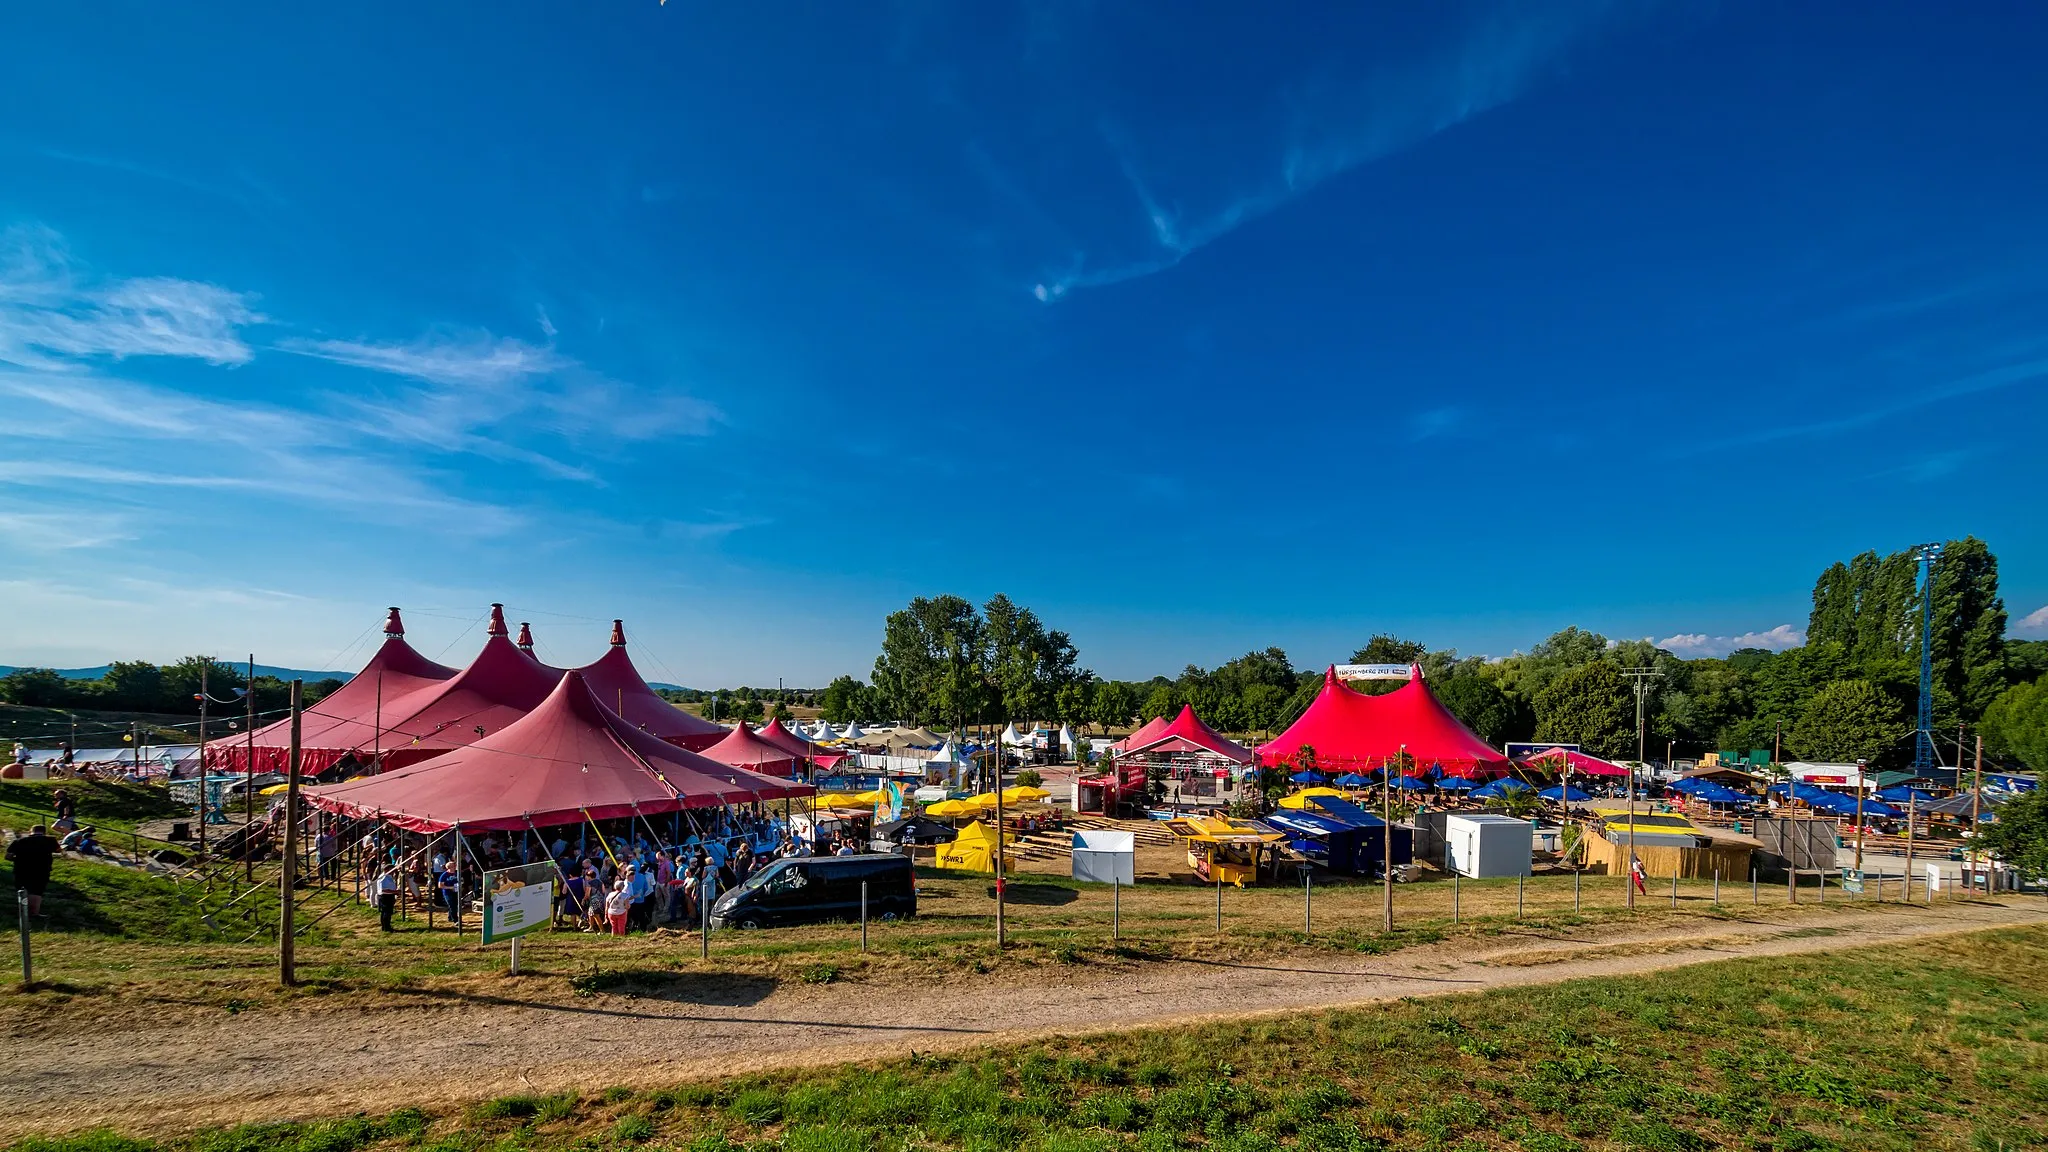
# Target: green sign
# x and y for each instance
(518, 900)
(1852, 881)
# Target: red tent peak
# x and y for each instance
(497, 627)
(1415, 671)
(393, 626)
(525, 640)
(1330, 677)
(618, 633)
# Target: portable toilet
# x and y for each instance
(1483, 846)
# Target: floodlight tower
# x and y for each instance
(1924, 756)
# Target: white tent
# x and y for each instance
(1010, 738)
(823, 733)
(947, 754)
(853, 732)
(1066, 738)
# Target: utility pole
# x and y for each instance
(1924, 756)
(1862, 783)
(249, 768)
(202, 757)
(1976, 806)
(1387, 840)
(1913, 813)
(1641, 678)
(287, 881)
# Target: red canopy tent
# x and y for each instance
(1350, 730)
(395, 671)
(1188, 735)
(774, 733)
(619, 684)
(501, 685)
(568, 759)
(1149, 730)
(744, 748)
(1563, 759)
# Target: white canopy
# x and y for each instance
(823, 733)
(1066, 738)
(853, 732)
(946, 755)
(1010, 738)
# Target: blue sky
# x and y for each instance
(1198, 327)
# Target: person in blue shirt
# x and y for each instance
(451, 893)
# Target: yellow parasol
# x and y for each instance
(1300, 799)
(1023, 792)
(951, 808)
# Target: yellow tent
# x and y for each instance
(872, 796)
(1023, 792)
(1300, 799)
(840, 800)
(973, 851)
(950, 808)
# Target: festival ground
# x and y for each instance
(157, 1062)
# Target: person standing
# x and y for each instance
(327, 848)
(450, 886)
(616, 907)
(387, 895)
(31, 856)
(1635, 874)
(67, 810)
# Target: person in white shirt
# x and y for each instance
(617, 903)
(387, 895)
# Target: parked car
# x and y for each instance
(817, 889)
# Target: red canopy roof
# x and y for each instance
(774, 733)
(1558, 758)
(1146, 732)
(393, 672)
(1349, 729)
(744, 748)
(1188, 735)
(501, 685)
(570, 756)
(619, 684)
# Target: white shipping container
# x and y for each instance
(1487, 846)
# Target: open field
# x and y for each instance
(1931, 1044)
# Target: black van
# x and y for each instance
(813, 889)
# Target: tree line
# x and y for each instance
(167, 689)
(1850, 692)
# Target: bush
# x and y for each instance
(1029, 778)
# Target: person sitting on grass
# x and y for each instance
(31, 856)
(81, 841)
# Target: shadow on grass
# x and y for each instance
(1036, 895)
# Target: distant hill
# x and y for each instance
(261, 670)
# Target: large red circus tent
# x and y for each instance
(1351, 731)
(619, 684)
(501, 685)
(567, 760)
(744, 748)
(330, 729)
(1188, 735)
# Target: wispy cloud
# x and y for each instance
(456, 360)
(2027, 369)
(1392, 110)
(1700, 644)
(2035, 621)
(52, 313)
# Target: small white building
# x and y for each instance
(1483, 846)
(1828, 775)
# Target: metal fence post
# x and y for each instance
(28, 973)
(1520, 886)
(863, 917)
(1674, 889)
(707, 926)
(1454, 898)
(1308, 907)
(1219, 903)
(1717, 887)
(1116, 905)
(1575, 889)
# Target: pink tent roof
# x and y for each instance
(567, 758)
(393, 672)
(1349, 730)
(619, 684)
(1146, 732)
(1557, 758)
(501, 685)
(1188, 735)
(744, 748)
(774, 733)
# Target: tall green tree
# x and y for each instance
(1849, 720)
(1493, 714)
(929, 668)
(1386, 648)
(842, 700)
(1116, 704)
(1589, 705)
(1969, 627)
(2020, 834)
(2015, 726)
(36, 688)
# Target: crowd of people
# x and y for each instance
(618, 881)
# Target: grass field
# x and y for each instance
(1936, 1045)
(117, 936)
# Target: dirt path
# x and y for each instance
(438, 1048)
